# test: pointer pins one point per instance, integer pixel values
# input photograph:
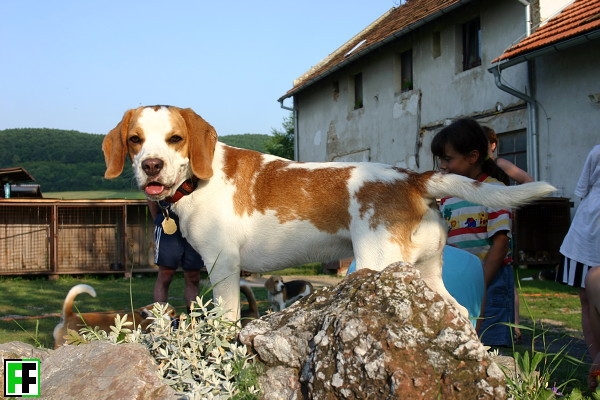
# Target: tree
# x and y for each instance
(282, 142)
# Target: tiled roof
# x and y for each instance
(577, 19)
(397, 21)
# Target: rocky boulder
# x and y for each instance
(381, 335)
(98, 370)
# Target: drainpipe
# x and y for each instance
(532, 125)
(293, 109)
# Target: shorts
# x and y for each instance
(173, 251)
(572, 272)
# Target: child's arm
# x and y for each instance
(494, 259)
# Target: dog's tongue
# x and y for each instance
(154, 189)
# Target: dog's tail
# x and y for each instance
(67, 310)
(252, 311)
(495, 196)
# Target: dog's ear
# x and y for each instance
(270, 284)
(202, 142)
(114, 147)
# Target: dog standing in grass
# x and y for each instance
(281, 294)
(76, 321)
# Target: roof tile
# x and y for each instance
(398, 19)
(580, 17)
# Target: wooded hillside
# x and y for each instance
(62, 160)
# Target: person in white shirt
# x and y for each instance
(581, 257)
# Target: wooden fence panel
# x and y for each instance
(75, 236)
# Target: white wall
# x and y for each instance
(569, 121)
(549, 8)
(396, 128)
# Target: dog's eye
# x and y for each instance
(135, 139)
(175, 139)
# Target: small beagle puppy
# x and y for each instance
(281, 294)
(75, 321)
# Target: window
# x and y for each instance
(513, 147)
(406, 71)
(358, 91)
(471, 44)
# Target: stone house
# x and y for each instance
(530, 69)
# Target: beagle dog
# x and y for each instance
(242, 209)
(75, 321)
(281, 294)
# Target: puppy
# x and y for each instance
(75, 321)
(282, 294)
(252, 311)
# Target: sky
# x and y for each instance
(79, 65)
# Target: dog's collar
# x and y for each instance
(187, 187)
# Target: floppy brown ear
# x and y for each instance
(270, 284)
(114, 147)
(202, 142)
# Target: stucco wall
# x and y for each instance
(396, 128)
(569, 121)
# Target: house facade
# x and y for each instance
(384, 94)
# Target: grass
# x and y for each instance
(550, 302)
(551, 315)
(30, 308)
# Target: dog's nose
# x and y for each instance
(152, 166)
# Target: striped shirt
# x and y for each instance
(472, 226)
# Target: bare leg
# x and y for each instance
(192, 285)
(161, 286)
(590, 318)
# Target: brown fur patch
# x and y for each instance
(398, 205)
(319, 196)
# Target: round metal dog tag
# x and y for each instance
(169, 226)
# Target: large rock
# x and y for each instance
(382, 335)
(98, 370)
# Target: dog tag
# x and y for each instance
(169, 226)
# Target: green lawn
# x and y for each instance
(549, 302)
(38, 300)
(30, 307)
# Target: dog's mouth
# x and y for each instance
(154, 189)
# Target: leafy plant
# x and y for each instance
(533, 370)
(199, 358)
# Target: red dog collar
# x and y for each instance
(187, 187)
